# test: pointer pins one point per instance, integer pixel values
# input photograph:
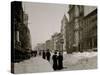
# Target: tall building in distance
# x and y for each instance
(59, 42)
(54, 40)
(64, 24)
(40, 46)
(48, 44)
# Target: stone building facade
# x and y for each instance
(89, 31)
(75, 13)
(48, 44)
(59, 42)
(54, 41)
(64, 24)
(80, 26)
(20, 34)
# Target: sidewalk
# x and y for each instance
(33, 65)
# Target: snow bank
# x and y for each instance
(36, 64)
(79, 59)
(83, 64)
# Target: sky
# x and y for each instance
(44, 20)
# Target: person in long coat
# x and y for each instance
(54, 58)
(39, 52)
(48, 54)
(43, 55)
(60, 61)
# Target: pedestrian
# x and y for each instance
(43, 54)
(54, 58)
(48, 54)
(60, 61)
(35, 53)
(40, 52)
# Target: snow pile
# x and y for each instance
(85, 60)
(36, 64)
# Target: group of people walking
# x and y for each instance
(46, 55)
(57, 59)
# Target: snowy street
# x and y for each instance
(75, 61)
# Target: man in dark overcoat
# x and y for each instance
(48, 54)
(54, 58)
(60, 61)
(43, 54)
